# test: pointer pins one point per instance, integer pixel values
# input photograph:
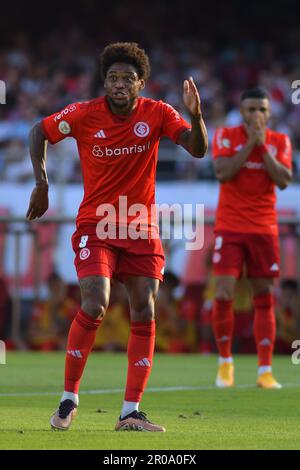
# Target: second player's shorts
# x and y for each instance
(258, 252)
(115, 258)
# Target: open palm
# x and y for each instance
(191, 97)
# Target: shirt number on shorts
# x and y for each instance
(83, 241)
(219, 243)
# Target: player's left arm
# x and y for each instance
(194, 140)
(279, 168)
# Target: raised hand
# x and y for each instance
(191, 97)
(256, 131)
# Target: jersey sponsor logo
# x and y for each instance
(100, 134)
(84, 253)
(141, 129)
(66, 111)
(100, 152)
(254, 165)
(64, 127)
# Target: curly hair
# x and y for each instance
(128, 53)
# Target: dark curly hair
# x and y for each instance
(128, 53)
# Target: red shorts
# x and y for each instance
(258, 252)
(115, 258)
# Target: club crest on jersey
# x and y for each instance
(141, 129)
(84, 253)
(64, 127)
(226, 143)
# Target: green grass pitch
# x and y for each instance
(180, 395)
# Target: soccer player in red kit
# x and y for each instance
(117, 137)
(250, 160)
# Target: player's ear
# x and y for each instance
(142, 84)
(242, 110)
(269, 112)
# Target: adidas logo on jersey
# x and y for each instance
(143, 362)
(274, 267)
(75, 353)
(100, 134)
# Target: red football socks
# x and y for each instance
(264, 328)
(80, 342)
(223, 323)
(140, 355)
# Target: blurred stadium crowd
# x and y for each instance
(183, 317)
(47, 67)
(44, 73)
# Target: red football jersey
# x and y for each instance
(247, 201)
(118, 154)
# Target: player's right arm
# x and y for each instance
(39, 201)
(53, 128)
(226, 168)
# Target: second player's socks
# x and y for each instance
(80, 342)
(225, 360)
(223, 323)
(140, 355)
(264, 369)
(264, 328)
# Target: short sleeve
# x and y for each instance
(173, 124)
(60, 125)
(284, 155)
(222, 145)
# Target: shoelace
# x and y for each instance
(65, 408)
(141, 415)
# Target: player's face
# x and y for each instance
(256, 110)
(122, 85)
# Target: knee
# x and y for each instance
(224, 291)
(260, 291)
(144, 313)
(95, 308)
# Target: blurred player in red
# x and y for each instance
(117, 137)
(250, 161)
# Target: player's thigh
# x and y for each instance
(143, 258)
(95, 293)
(228, 255)
(142, 292)
(262, 257)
